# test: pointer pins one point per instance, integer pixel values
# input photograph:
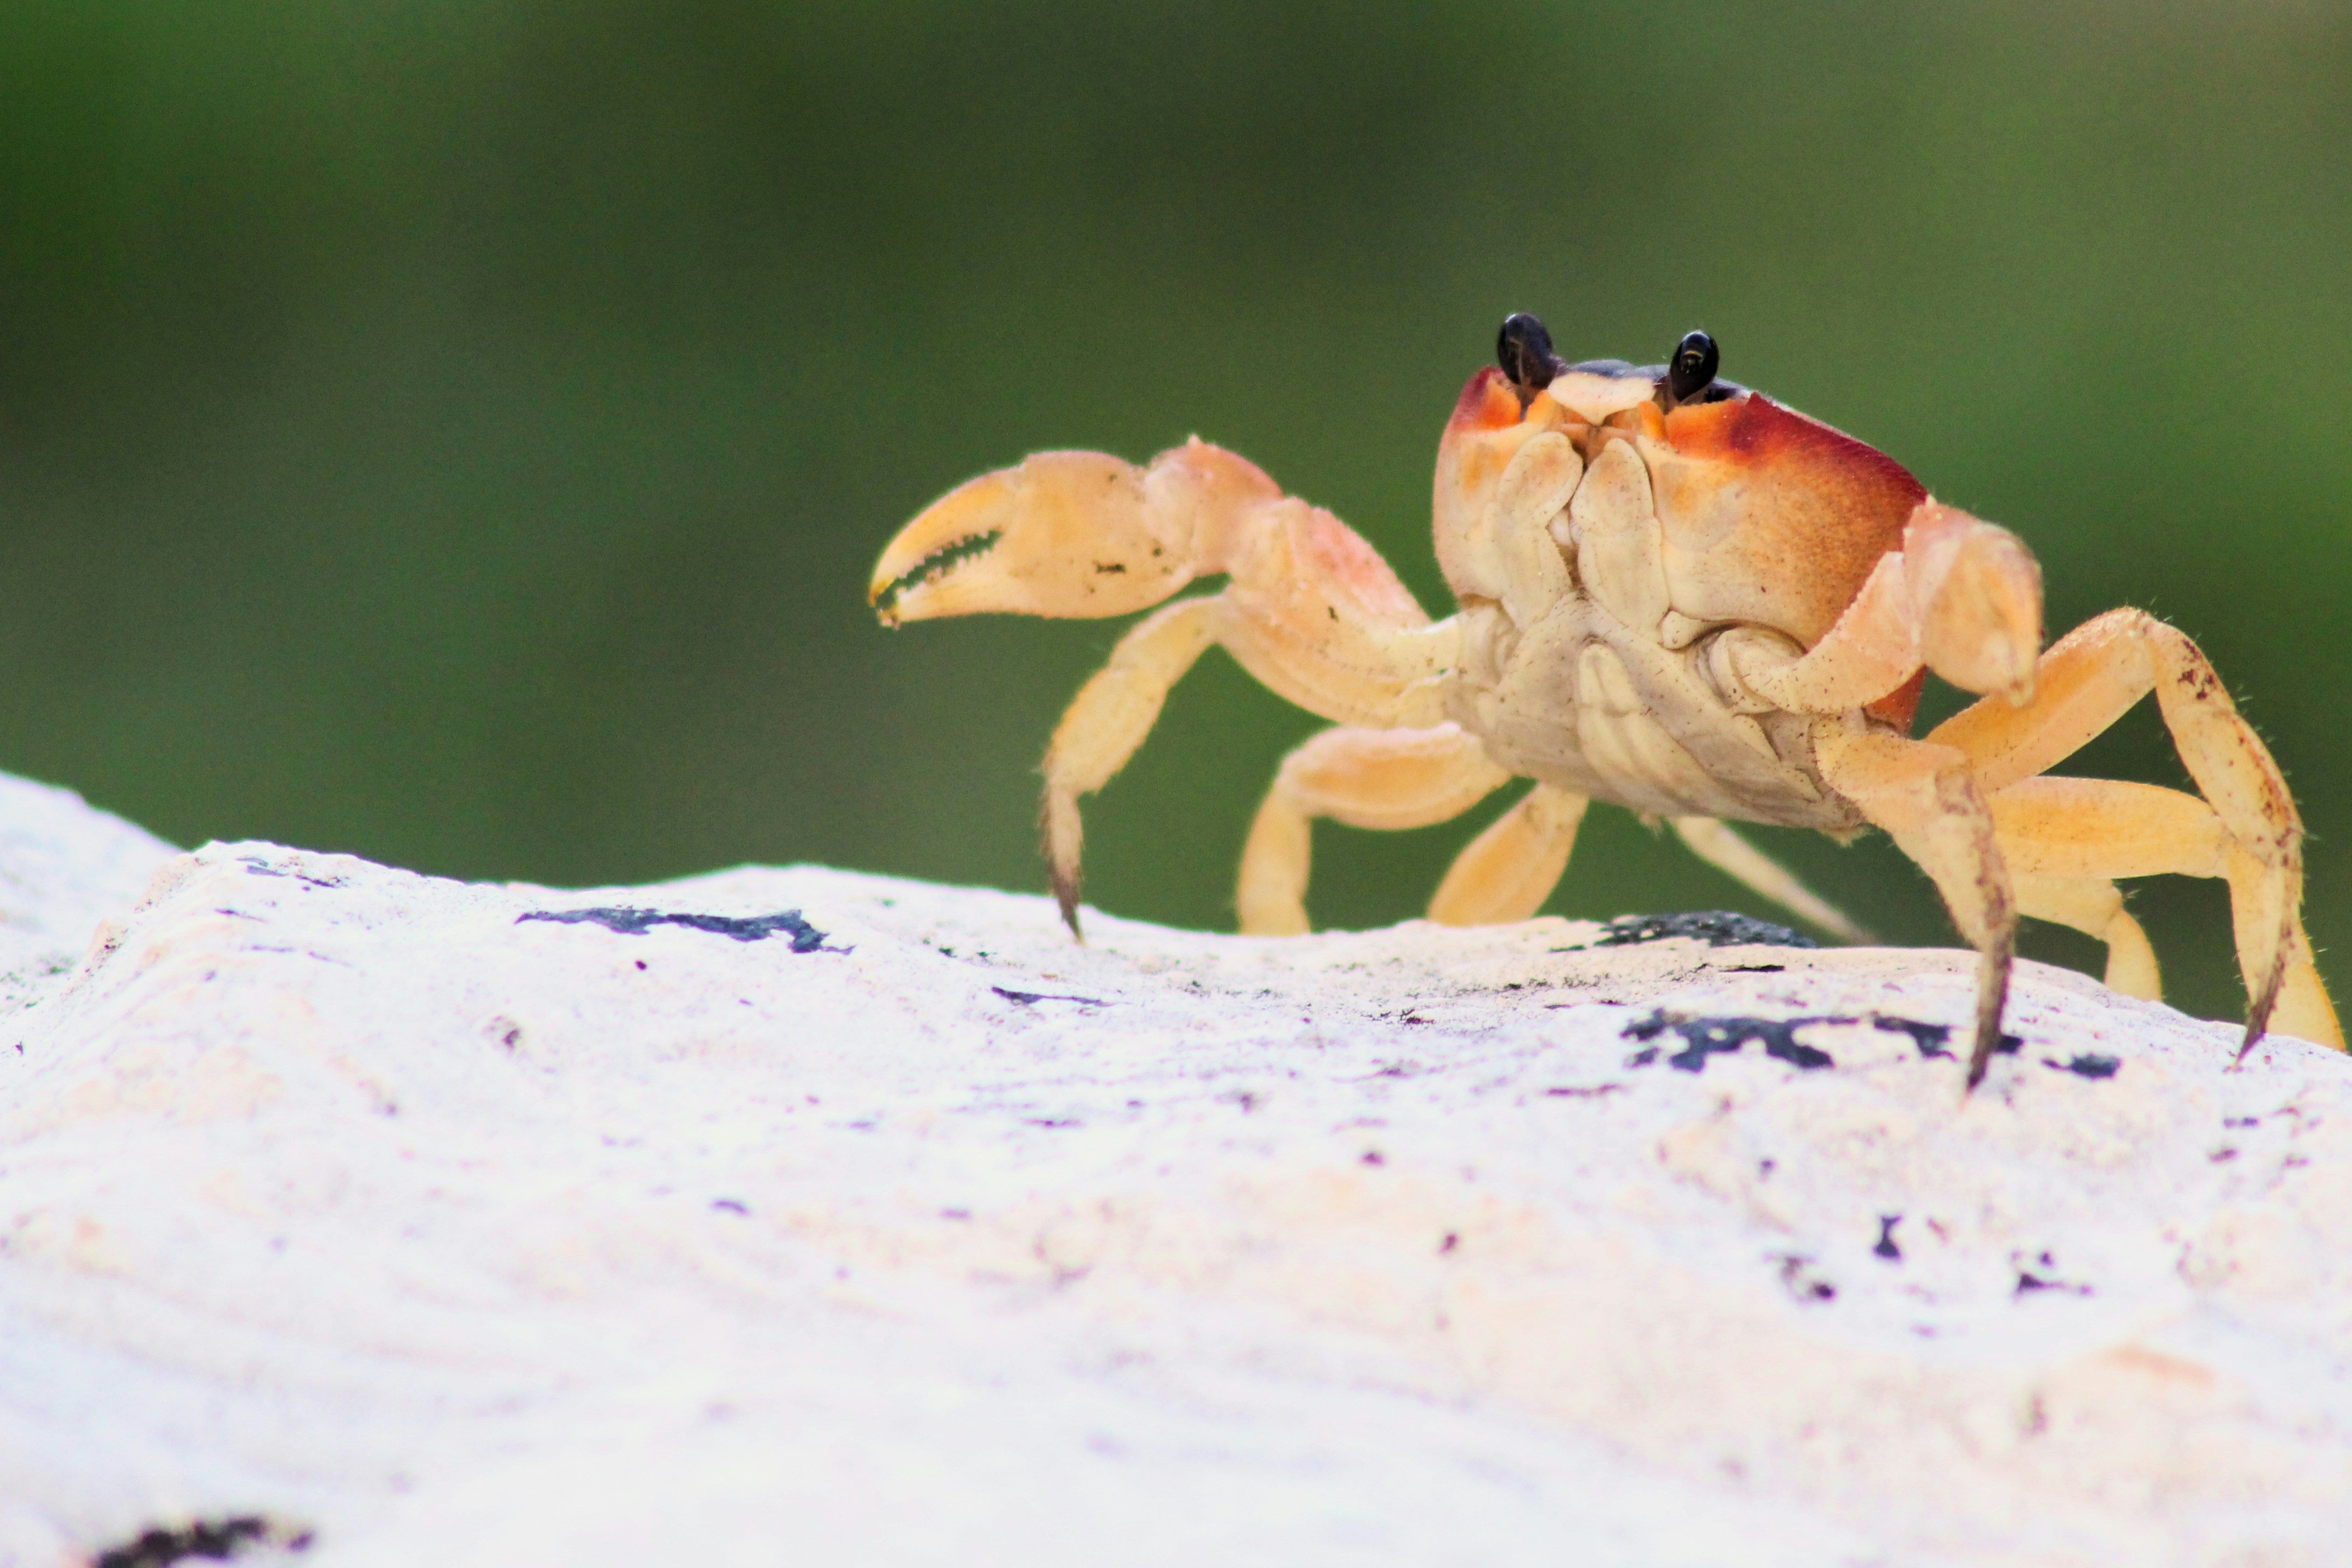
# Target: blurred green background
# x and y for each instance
(459, 434)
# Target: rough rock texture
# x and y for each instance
(795, 1216)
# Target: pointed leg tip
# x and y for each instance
(2258, 1016)
(1066, 897)
(1979, 1061)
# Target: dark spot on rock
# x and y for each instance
(1932, 1038)
(256, 866)
(2029, 1282)
(1053, 1122)
(1797, 1279)
(1886, 1247)
(1643, 1057)
(627, 921)
(1110, 569)
(2086, 1066)
(2222, 1156)
(1031, 999)
(212, 1540)
(1715, 927)
(1374, 1158)
(1450, 1243)
(1586, 1091)
(1703, 1037)
(731, 1206)
(641, 963)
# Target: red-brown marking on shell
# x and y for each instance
(1488, 401)
(1754, 430)
(1771, 516)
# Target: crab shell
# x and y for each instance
(1768, 518)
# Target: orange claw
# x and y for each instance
(1067, 534)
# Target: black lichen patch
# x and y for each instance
(1703, 1038)
(2028, 1281)
(1886, 1247)
(1934, 1039)
(208, 1540)
(1715, 927)
(806, 938)
(1798, 1279)
(256, 866)
(2086, 1065)
(1031, 999)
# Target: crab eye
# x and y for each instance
(1693, 370)
(1524, 350)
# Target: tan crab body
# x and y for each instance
(1675, 596)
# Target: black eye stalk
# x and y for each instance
(1692, 369)
(1523, 348)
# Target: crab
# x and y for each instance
(1676, 596)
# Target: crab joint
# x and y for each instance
(1976, 591)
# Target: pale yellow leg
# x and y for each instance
(1101, 729)
(2094, 907)
(2072, 835)
(1380, 778)
(1733, 856)
(1509, 869)
(1962, 596)
(1927, 799)
(2088, 680)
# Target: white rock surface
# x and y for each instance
(357, 1200)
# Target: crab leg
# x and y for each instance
(1927, 800)
(1733, 856)
(2067, 838)
(1310, 609)
(1961, 597)
(2089, 678)
(1382, 779)
(1507, 871)
(2094, 907)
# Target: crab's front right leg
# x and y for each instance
(1310, 610)
(1928, 802)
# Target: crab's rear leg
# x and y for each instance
(1379, 778)
(2094, 907)
(2088, 680)
(2066, 839)
(1931, 805)
(1310, 609)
